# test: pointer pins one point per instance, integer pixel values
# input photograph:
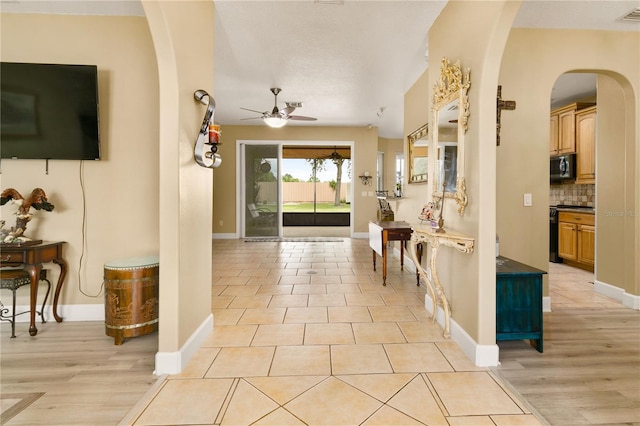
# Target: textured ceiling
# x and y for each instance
(344, 62)
(351, 64)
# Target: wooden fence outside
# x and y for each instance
(302, 192)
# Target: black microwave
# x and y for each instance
(562, 167)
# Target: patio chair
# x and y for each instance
(261, 216)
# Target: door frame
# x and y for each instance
(240, 210)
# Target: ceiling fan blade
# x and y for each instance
(251, 118)
(301, 118)
(253, 110)
(288, 110)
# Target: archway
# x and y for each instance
(607, 187)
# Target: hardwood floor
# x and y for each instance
(72, 374)
(589, 373)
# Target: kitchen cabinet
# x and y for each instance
(562, 128)
(586, 145)
(568, 241)
(553, 134)
(576, 238)
(586, 244)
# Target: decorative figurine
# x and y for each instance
(37, 200)
(427, 212)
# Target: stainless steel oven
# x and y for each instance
(553, 235)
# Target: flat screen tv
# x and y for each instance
(49, 111)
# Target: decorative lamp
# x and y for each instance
(365, 178)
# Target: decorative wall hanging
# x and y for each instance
(209, 136)
(500, 105)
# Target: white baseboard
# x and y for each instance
(166, 362)
(481, 355)
(94, 312)
(631, 301)
(628, 300)
(223, 236)
(175, 362)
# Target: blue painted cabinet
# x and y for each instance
(518, 302)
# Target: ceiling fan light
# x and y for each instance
(275, 122)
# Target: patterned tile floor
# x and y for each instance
(305, 334)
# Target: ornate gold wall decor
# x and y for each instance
(418, 155)
(450, 108)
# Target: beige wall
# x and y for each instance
(615, 225)
(532, 62)
(121, 190)
(390, 148)
(417, 107)
(470, 279)
(147, 195)
(185, 64)
(364, 158)
(527, 72)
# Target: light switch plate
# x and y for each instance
(528, 200)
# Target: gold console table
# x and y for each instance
(427, 235)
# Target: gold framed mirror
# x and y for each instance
(450, 109)
(418, 155)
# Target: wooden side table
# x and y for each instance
(32, 256)
(380, 233)
(518, 302)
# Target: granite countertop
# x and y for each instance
(577, 209)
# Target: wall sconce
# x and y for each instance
(366, 178)
(209, 135)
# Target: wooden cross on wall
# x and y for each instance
(500, 105)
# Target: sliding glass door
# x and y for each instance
(261, 195)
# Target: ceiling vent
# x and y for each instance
(633, 16)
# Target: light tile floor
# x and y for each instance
(573, 288)
(306, 334)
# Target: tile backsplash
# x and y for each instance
(573, 194)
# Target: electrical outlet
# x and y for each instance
(528, 200)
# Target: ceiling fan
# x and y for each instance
(335, 157)
(279, 117)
